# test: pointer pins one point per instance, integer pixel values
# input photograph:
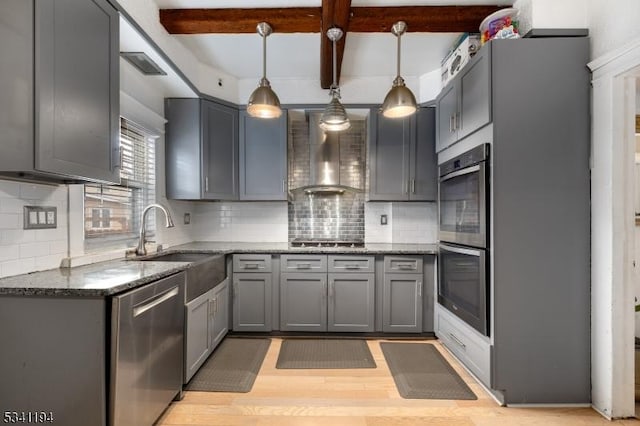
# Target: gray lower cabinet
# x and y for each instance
(402, 300)
(263, 158)
(402, 157)
(341, 300)
(201, 150)
(252, 301)
(303, 301)
(206, 325)
(55, 343)
(59, 91)
(351, 302)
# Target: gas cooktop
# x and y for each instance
(325, 242)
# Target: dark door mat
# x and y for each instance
(324, 353)
(232, 367)
(421, 372)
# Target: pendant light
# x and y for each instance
(334, 118)
(263, 102)
(399, 102)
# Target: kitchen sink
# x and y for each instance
(206, 271)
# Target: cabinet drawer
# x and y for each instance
(473, 351)
(351, 264)
(252, 263)
(403, 264)
(303, 262)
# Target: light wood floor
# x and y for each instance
(362, 397)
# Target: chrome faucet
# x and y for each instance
(141, 250)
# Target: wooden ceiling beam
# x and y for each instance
(335, 13)
(310, 19)
(240, 21)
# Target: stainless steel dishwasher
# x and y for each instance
(146, 351)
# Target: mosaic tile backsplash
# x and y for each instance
(322, 215)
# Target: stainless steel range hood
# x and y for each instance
(324, 160)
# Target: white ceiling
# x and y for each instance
(297, 56)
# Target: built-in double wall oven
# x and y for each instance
(463, 234)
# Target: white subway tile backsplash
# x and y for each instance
(48, 262)
(16, 236)
(11, 205)
(58, 247)
(10, 221)
(9, 253)
(9, 189)
(17, 267)
(34, 249)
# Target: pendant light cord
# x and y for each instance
(264, 57)
(398, 68)
(335, 65)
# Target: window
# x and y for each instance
(112, 212)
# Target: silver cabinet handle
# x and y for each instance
(331, 290)
(451, 123)
(251, 266)
(303, 266)
(206, 184)
(212, 308)
(284, 185)
(406, 187)
(455, 339)
(406, 266)
(456, 121)
(419, 284)
(354, 266)
(155, 301)
(413, 186)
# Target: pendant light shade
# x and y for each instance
(400, 101)
(334, 118)
(263, 102)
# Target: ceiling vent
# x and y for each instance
(143, 63)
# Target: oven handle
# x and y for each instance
(470, 252)
(465, 171)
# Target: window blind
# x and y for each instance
(112, 212)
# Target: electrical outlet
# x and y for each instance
(187, 218)
(40, 217)
(383, 219)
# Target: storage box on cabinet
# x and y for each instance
(251, 291)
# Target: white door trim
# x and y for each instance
(612, 227)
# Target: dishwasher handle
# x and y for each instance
(155, 301)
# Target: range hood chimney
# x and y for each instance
(324, 160)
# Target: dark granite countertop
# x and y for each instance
(112, 277)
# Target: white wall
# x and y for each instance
(23, 251)
(407, 222)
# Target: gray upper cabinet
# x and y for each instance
(402, 159)
(59, 90)
(201, 150)
(464, 105)
(263, 158)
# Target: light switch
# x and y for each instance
(40, 217)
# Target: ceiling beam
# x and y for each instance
(335, 13)
(309, 19)
(240, 21)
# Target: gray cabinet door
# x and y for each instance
(263, 158)
(402, 303)
(219, 315)
(197, 335)
(423, 167)
(77, 89)
(390, 142)
(303, 301)
(475, 94)
(351, 304)
(220, 151)
(183, 149)
(252, 301)
(446, 116)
